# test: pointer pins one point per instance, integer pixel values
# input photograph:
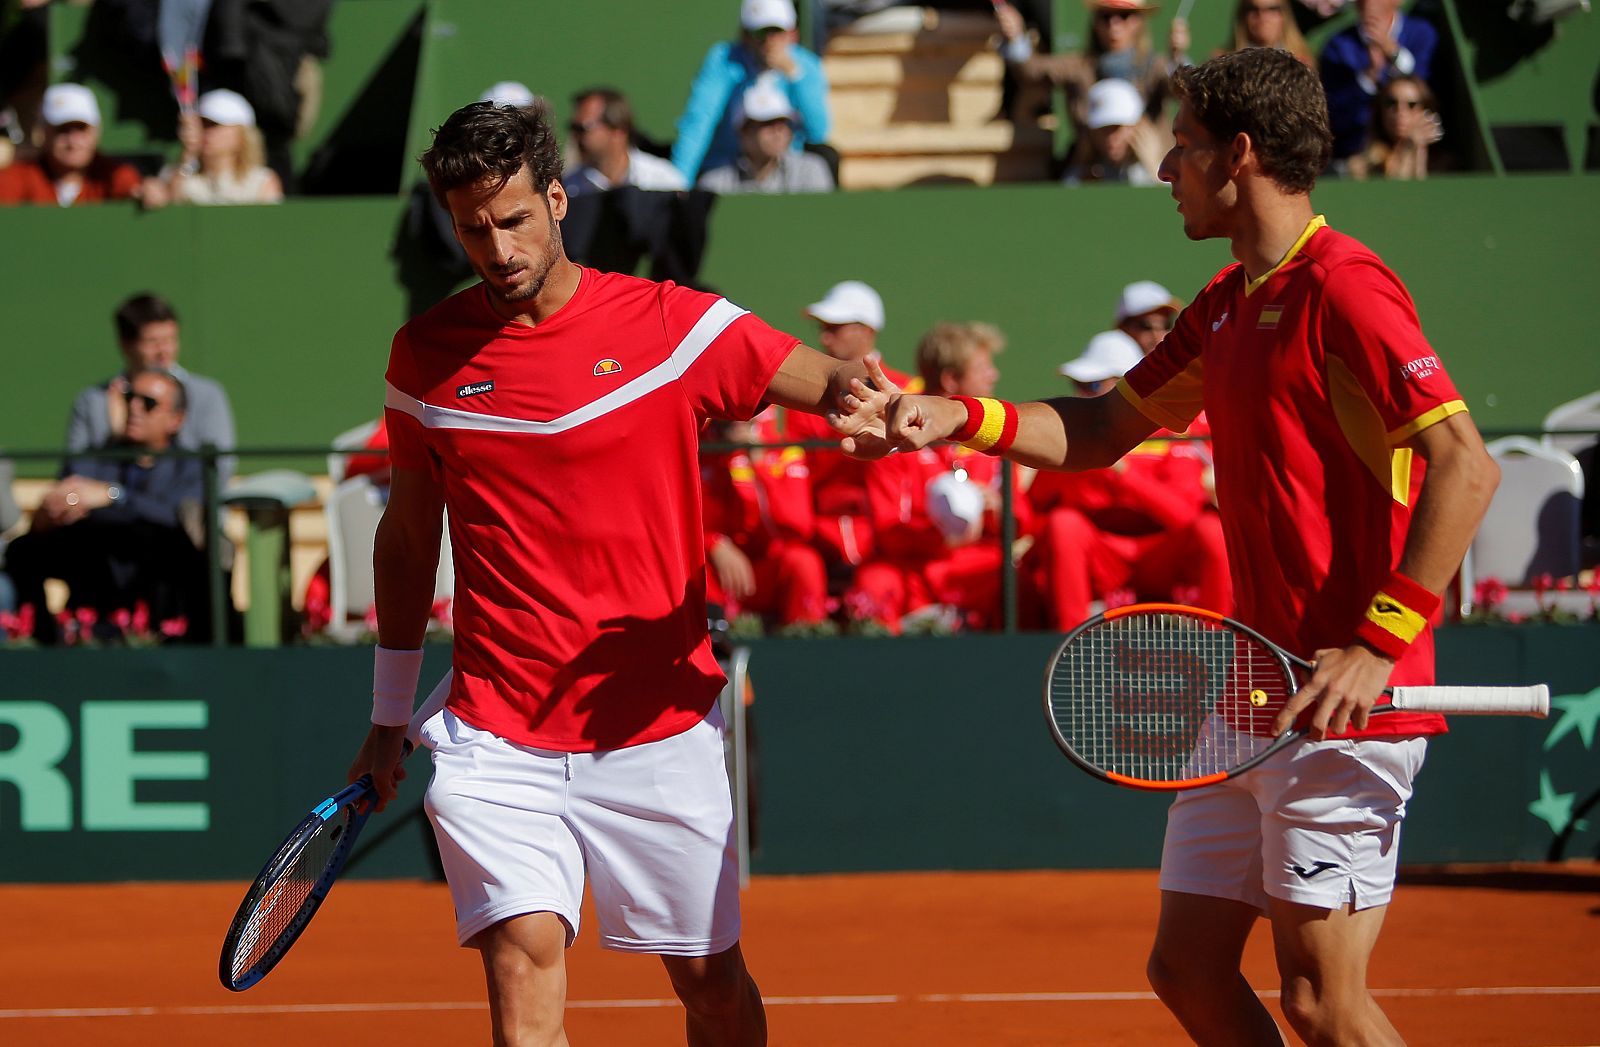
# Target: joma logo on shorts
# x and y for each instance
(1316, 867)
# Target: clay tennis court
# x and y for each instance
(926, 959)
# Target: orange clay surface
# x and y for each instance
(922, 959)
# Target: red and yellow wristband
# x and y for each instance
(1397, 615)
(991, 424)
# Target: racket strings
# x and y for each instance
(1166, 697)
(285, 895)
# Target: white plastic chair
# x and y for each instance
(353, 511)
(1532, 526)
(1573, 426)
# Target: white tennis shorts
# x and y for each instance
(652, 824)
(1317, 824)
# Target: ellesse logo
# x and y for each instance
(474, 388)
(606, 366)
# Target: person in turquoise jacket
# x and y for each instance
(765, 51)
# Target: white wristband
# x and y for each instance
(394, 685)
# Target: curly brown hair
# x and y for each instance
(483, 141)
(1271, 96)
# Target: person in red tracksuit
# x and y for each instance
(848, 318)
(758, 526)
(1146, 524)
(932, 554)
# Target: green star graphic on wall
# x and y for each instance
(1552, 808)
(1579, 712)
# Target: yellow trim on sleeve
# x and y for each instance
(1150, 409)
(1317, 222)
(1424, 420)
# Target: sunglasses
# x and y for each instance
(1151, 324)
(578, 129)
(1396, 103)
(150, 402)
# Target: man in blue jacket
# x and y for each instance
(1358, 61)
(766, 51)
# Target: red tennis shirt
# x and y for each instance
(1311, 375)
(568, 457)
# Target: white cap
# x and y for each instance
(763, 102)
(955, 504)
(1114, 103)
(508, 92)
(767, 14)
(1110, 354)
(1145, 296)
(850, 302)
(69, 104)
(225, 107)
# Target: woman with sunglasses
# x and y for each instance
(1269, 23)
(1404, 125)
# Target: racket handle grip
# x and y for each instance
(1503, 701)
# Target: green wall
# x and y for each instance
(873, 755)
(292, 307)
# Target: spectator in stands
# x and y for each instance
(1119, 49)
(147, 335)
(936, 512)
(602, 135)
(1145, 312)
(1144, 528)
(1358, 61)
(758, 524)
(117, 531)
(849, 319)
(1120, 145)
(224, 155)
(766, 51)
(1268, 23)
(766, 161)
(70, 169)
(1404, 125)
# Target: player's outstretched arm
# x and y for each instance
(850, 394)
(1070, 433)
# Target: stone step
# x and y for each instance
(880, 70)
(893, 172)
(998, 136)
(961, 104)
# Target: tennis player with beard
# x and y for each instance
(1350, 481)
(554, 411)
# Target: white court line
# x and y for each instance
(770, 1001)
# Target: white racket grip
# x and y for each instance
(1501, 701)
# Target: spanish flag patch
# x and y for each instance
(1270, 315)
(607, 366)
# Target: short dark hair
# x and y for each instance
(1271, 96)
(483, 141)
(180, 399)
(133, 315)
(616, 111)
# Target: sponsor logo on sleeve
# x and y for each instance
(1422, 367)
(474, 389)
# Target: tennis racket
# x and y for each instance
(1161, 696)
(291, 886)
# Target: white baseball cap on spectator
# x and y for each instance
(1114, 103)
(1110, 354)
(850, 302)
(763, 102)
(1145, 296)
(225, 107)
(69, 104)
(955, 504)
(508, 92)
(767, 14)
